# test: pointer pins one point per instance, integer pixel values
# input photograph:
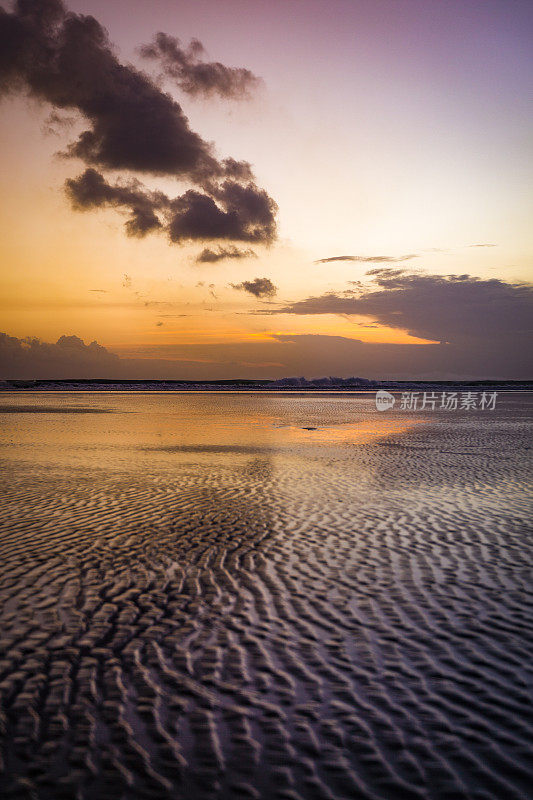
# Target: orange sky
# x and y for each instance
(346, 182)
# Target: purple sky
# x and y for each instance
(395, 133)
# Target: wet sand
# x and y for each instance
(239, 596)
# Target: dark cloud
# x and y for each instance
(368, 259)
(299, 354)
(91, 190)
(195, 76)
(210, 255)
(259, 287)
(443, 308)
(68, 357)
(241, 213)
(312, 355)
(482, 245)
(66, 59)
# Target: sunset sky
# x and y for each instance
(146, 187)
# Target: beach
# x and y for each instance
(293, 596)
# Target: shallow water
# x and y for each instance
(274, 596)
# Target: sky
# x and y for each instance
(263, 189)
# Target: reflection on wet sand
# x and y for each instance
(272, 597)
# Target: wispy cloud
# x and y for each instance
(211, 255)
(195, 76)
(368, 259)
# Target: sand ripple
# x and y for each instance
(318, 620)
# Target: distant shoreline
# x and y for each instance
(289, 385)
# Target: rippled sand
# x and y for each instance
(232, 596)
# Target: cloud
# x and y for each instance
(210, 255)
(195, 76)
(368, 259)
(384, 273)
(315, 354)
(259, 287)
(310, 355)
(90, 190)
(55, 124)
(242, 213)
(68, 357)
(66, 59)
(482, 245)
(233, 211)
(445, 308)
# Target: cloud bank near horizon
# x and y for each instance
(309, 355)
